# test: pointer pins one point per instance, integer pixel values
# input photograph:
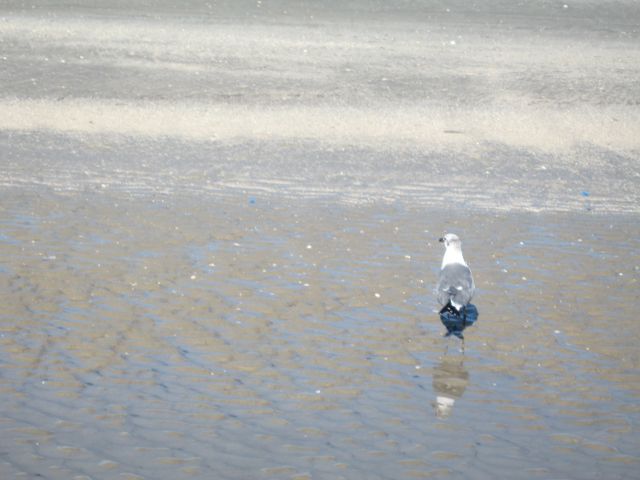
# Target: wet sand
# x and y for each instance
(174, 338)
(218, 240)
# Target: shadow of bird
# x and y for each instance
(455, 321)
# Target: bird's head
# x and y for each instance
(450, 239)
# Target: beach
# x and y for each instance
(219, 231)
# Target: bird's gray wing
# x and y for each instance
(455, 282)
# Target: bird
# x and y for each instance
(455, 288)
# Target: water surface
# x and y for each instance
(179, 338)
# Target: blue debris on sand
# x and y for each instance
(587, 204)
(252, 200)
(456, 321)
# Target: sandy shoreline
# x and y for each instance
(503, 114)
(492, 178)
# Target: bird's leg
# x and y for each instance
(463, 345)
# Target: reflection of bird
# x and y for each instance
(455, 288)
(450, 379)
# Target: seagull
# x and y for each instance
(455, 288)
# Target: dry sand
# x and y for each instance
(218, 228)
(514, 107)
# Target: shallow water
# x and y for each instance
(185, 337)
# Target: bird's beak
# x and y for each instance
(441, 240)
